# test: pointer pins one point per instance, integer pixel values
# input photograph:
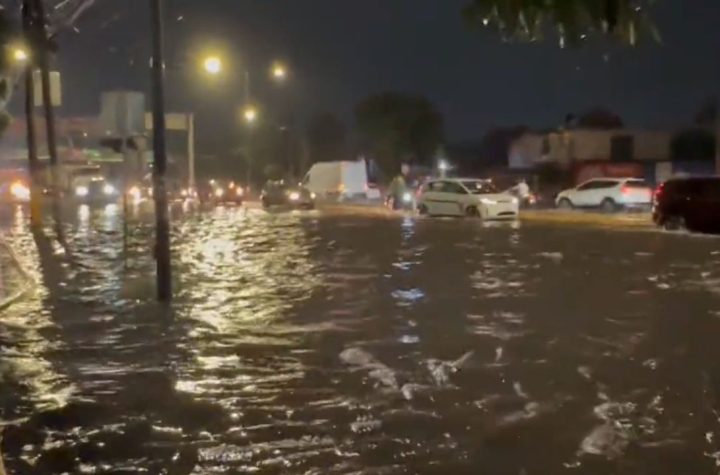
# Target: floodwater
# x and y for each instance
(311, 344)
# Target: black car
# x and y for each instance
(279, 193)
(692, 203)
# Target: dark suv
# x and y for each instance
(692, 203)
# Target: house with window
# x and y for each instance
(569, 147)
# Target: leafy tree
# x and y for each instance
(706, 116)
(573, 21)
(326, 138)
(693, 144)
(397, 128)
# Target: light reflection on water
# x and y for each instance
(305, 344)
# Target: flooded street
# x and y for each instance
(311, 344)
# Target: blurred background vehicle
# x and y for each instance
(217, 191)
(338, 180)
(608, 194)
(279, 193)
(688, 203)
(96, 190)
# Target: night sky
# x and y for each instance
(342, 50)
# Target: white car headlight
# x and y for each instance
(294, 196)
(19, 191)
(81, 191)
(219, 192)
(488, 201)
(108, 189)
(514, 200)
(407, 197)
(313, 196)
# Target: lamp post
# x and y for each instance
(162, 224)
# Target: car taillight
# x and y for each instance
(658, 191)
(625, 190)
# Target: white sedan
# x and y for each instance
(466, 197)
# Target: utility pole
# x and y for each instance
(41, 50)
(162, 224)
(35, 189)
(191, 150)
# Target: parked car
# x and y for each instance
(338, 180)
(466, 197)
(279, 193)
(692, 203)
(608, 194)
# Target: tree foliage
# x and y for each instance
(572, 21)
(326, 137)
(397, 128)
(693, 144)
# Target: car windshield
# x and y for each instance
(479, 187)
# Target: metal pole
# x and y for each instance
(43, 62)
(162, 224)
(35, 189)
(717, 137)
(191, 150)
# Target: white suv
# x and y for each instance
(609, 194)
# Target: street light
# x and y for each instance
(213, 65)
(250, 114)
(20, 55)
(279, 72)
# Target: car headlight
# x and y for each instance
(135, 193)
(313, 196)
(294, 196)
(219, 193)
(239, 191)
(81, 191)
(407, 197)
(20, 191)
(108, 189)
(514, 200)
(488, 201)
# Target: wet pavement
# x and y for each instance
(314, 344)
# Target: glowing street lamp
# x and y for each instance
(250, 114)
(279, 72)
(20, 55)
(213, 65)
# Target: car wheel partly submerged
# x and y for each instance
(608, 205)
(565, 204)
(674, 223)
(472, 212)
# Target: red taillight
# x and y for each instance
(658, 191)
(625, 190)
